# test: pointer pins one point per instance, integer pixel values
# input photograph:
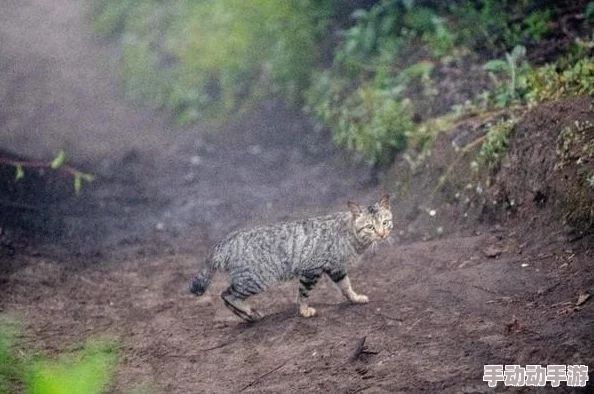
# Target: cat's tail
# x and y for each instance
(201, 281)
(215, 261)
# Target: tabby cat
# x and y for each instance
(259, 257)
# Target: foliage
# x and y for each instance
(538, 24)
(497, 142)
(216, 58)
(490, 25)
(57, 164)
(368, 121)
(514, 70)
(394, 47)
(213, 57)
(516, 82)
(85, 371)
(551, 82)
(589, 12)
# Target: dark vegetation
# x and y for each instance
(377, 77)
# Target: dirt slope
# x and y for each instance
(123, 253)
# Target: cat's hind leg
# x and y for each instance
(234, 298)
(306, 282)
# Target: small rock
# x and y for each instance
(160, 226)
(492, 251)
(585, 296)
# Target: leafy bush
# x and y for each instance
(551, 82)
(213, 57)
(497, 142)
(489, 24)
(514, 70)
(368, 121)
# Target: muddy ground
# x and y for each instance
(116, 261)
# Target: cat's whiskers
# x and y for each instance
(374, 247)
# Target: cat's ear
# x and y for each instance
(384, 201)
(355, 209)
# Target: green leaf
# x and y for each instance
(87, 177)
(518, 52)
(20, 174)
(589, 13)
(495, 65)
(59, 160)
(77, 183)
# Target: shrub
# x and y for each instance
(199, 57)
(370, 122)
(552, 82)
(495, 147)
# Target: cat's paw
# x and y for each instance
(255, 315)
(360, 299)
(307, 311)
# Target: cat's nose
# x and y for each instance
(381, 233)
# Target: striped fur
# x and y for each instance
(259, 257)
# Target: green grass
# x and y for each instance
(85, 371)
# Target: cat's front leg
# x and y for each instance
(344, 284)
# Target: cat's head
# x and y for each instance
(372, 223)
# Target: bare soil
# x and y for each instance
(491, 287)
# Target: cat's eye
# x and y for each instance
(369, 226)
(386, 222)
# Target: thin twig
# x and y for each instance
(487, 290)
(259, 378)
(220, 345)
(388, 317)
(361, 349)
(414, 324)
(39, 164)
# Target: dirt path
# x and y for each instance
(439, 310)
